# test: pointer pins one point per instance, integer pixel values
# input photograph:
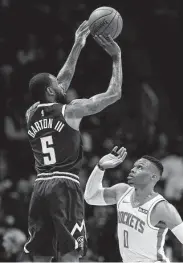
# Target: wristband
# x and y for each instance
(100, 167)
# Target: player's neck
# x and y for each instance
(49, 99)
(145, 191)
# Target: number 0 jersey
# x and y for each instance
(139, 241)
(56, 146)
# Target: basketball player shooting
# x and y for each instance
(144, 216)
(56, 212)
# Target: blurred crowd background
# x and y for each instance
(37, 36)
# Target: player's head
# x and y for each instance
(146, 170)
(44, 88)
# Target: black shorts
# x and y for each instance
(56, 217)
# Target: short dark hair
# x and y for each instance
(155, 161)
(38, 85)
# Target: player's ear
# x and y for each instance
(50, 91)
(154, 176)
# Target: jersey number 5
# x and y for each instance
(46, 143)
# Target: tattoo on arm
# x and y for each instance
(113, 93)
(117, 77)
(66, 74)
(85, 107)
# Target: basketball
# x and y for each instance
(105, 21)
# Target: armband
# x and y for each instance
(100, 167)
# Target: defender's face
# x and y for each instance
(57, 89)
(140, 174)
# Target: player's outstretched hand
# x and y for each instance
(82, 33)
(114, 158)
(108, 44)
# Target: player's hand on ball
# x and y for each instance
(82, 33)
(108, 44)
(114, 158)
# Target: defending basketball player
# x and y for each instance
(144, 216)
(56, 213)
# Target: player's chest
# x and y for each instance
(132, 217)
(135, 218)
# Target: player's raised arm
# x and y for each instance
(65, 75)
(95, 194)
(84, 107)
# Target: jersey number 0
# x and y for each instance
(126, 239)
(48, 150)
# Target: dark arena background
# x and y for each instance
(36, 36)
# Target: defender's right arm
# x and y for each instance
(95, 193)
(84, 107)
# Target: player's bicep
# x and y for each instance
(84, 107)
(112, 194)
(109, 195)
(174, 218)
(76, 109)
(170, 215)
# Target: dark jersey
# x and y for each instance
(56, 146)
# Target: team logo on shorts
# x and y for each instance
(80, 241)
(78, 227)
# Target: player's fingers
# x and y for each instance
(88, 32)
(85, 31)
(122, 157)
(110, 39)
(114, 150)
(121, 150)
(98, 40)
(83, 25)
(104, 40)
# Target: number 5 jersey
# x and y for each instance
(56, 146)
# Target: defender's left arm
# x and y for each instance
(66, 73)
(167, 213)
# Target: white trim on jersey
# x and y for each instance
(65, 173)
(57, 176)
(47, 104)
(161, 248)
(150, 210)
(63, 110)
(123, 196)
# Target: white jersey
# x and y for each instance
(139, 241)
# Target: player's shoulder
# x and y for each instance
(74, 107)
(76, 103)
(120, 189)
(55, 109)
(30, 111)
(164, 208)
(167, 213)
